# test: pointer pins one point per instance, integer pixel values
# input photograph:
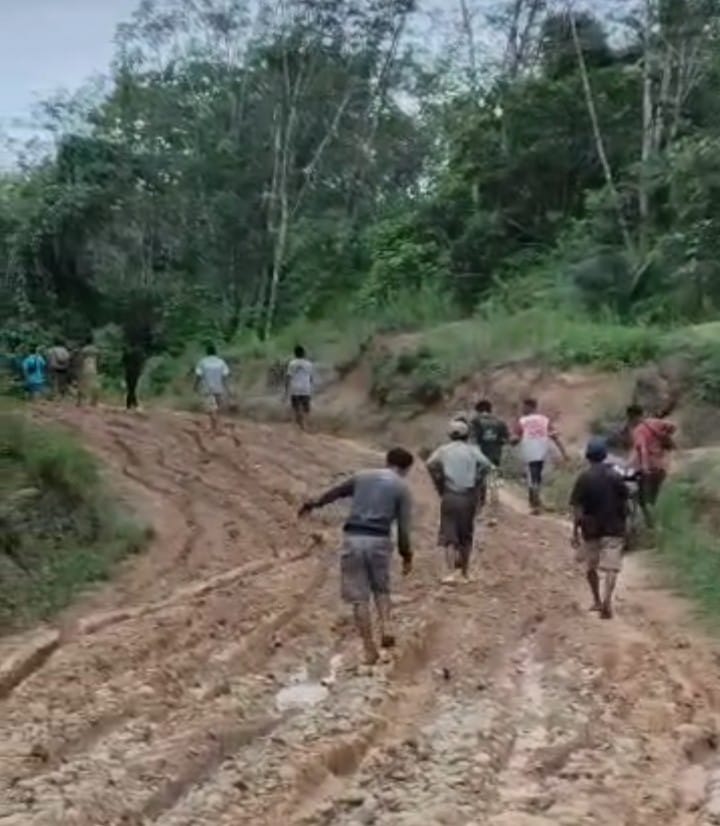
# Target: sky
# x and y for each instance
(48, 45)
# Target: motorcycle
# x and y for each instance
(631, 479)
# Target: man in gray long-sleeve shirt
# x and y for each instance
(379, 498)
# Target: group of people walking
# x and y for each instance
(60, 369)
(465, 472)
(212, 382)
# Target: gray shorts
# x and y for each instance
(365, 567)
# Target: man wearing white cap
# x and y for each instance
(458, 471)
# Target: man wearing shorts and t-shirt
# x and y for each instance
(534, 433)
(211, 375)
(600, 503)
(379, 499)
(299, 385)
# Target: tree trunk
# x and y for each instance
(467, 25)
(285, 135)
(600, 145)
(309, 170)
(519, 35)
(374, 112)
(278, 261)
(648, 140)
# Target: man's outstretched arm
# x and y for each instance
(341, 491)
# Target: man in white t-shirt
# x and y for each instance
(535, 433)
(211, 375)
(299, 380)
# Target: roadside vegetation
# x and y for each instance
(688, 525)
(61, 528)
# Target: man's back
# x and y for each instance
(600, 495)
(534, 431)
(300, 376)
(650, 438)
(89, 359)
(59, 357)
(33, 368)
(462, 465)
(379, 498)
(212, 372)
(491, 434)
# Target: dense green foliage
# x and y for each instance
(688, 516)
(60, 529)
(248, 167)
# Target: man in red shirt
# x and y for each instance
(652, 440)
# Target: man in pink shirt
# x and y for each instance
(652, 440)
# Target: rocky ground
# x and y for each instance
(215, 681)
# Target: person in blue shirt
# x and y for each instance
(34, 368)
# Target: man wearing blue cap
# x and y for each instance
(600, 505)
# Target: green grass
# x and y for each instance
(439, 354)
(61, 529)
(688, 521)
(439, 358)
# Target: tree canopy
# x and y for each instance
(252, 164)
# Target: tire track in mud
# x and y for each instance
(261, 633)
(256, 649)
(134, 462)
(445, 629)
(101, 728)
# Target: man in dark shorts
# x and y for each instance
(379, 498)
(299, 381)
(652, 440)
(490, 434)
(458, 471)
(599, 501)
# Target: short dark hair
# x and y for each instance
(210, 348)
(400, 458)
(634, 411)
(530, 403)
(299, 352)
(484, 406)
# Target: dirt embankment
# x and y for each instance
(507, 703)
(380, 396)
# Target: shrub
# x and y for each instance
(413, 377)
(606, 346)
(688, 521)
(60, 527)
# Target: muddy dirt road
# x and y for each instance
(165, 698)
